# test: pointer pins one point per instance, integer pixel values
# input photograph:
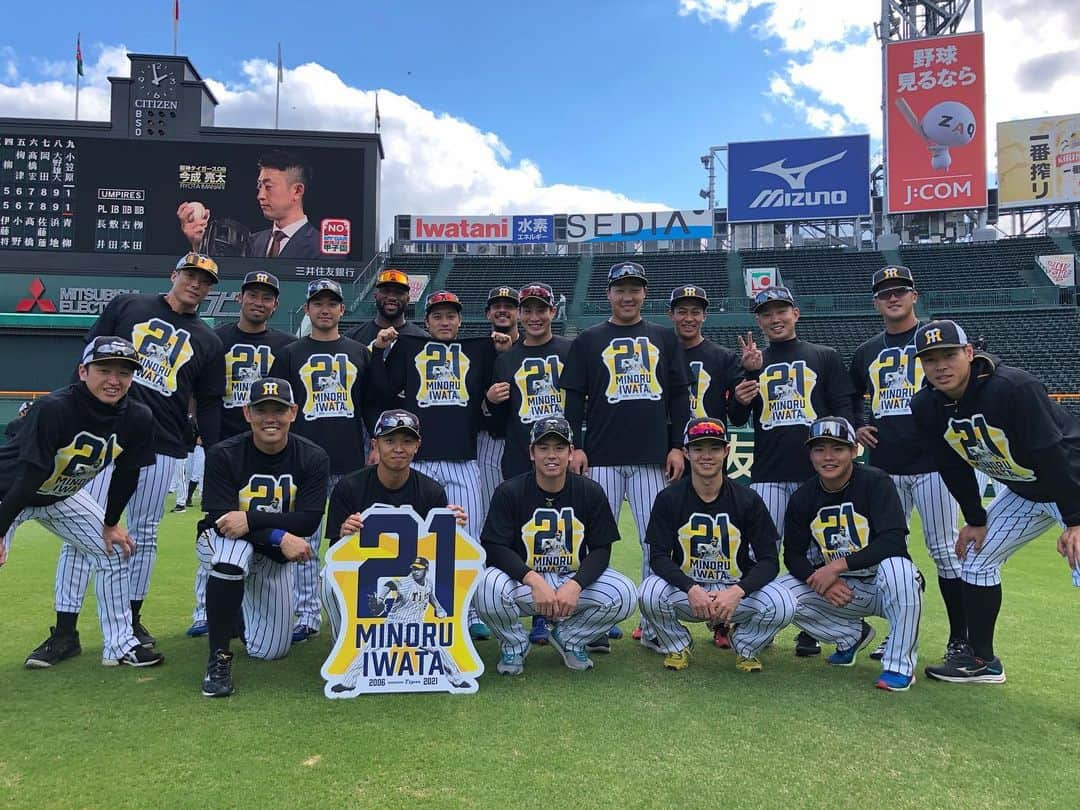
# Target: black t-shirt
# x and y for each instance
(637, 393)
(444, 383)
(330, 382)
(1006, 426)
(714, 371)
(248, 357)
(694, 542)
(73, 436)
(361, 489)
(799, 382)
(533, 373)
(886, 367)
(367, 332)
(181, 356)
(529, 529)
(863, 522)
(285, 490)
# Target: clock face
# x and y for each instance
(157, 81)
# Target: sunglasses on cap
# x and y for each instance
(197, 261)
(704, 429)
(893, 292)
(836, 428)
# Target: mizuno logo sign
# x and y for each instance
(795, 177)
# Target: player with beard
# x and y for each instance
(391, 304)
(502, 313)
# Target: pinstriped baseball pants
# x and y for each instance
(1011, 521)
(939, 512)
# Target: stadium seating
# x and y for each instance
(472, 276)
(844, 334)
(810, 271)
(665, 271)
(975, 266)
(420, 263)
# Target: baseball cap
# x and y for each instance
(392, 275)
(395, 420)
(541, 292)
(689, 291)
(939, 335)
(497, 293)
(263, 278)
(625, 270)
(110, 347)
(271, 389)
(324, 285)
(770, 294)
(420, 562)
(441, 297)
(24, 408)
(893, 275)
(836, 428)
(551, 426)
(704, 427)
(197, 261)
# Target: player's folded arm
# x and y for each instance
(301, 523)
(660, 539)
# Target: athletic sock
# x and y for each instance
(223, 600)
(136, 610)
(191, 487)
(952, 594)
(982, 604)
(66, 623)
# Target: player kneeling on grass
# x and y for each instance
(845, 544)
(67, 438)
(263, 493)
(548, 539)
(701, 533)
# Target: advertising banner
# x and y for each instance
(1039, 161)
(403, 587)
(510, 228)
(1060, 268)
(120, 196)
(935, 124)
(650, 226)
(760, 278)
(805, 178)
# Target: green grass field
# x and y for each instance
(628, 733)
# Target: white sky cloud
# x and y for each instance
(435, 163)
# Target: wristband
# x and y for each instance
(276, 536)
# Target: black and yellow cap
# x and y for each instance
(198, 261)
(271, 389)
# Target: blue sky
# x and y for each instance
(538, 103)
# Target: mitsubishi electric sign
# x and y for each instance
(806, 178)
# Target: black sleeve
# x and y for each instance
(141, 454)
(739, 414)
(957, 474)
(838, 391)
(22, 490)
(888, 528)
(594, 564)
(1038, 431)
(575, 415)
(500, 535)
(1052, 469)
(763, 540)
(208, 415)
(340, 508)
(39, 438)
(797, 539)
(857, 374)
(209, 389)
(660, 539)
(678, 389)
(219, 496)
(121, 487)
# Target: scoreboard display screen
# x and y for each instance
(121, 196)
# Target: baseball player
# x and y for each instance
(329, 374)
(502, 313)
(265, 494)
(182, 359)
(391, 482)
(700, 534)
(979, 414)
(69, 437)
(250, 347)
(391, 303)
(189, 476)
(627, 378)
(798, 382)
(886, 368)
(548, 541)
(845, 544)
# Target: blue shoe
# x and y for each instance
(846, 658)
(615, 633)
(198, 629)
(302, 633)
(511, 663)
(894, 681)
(539, 633)
(479, 631)
(575, 659)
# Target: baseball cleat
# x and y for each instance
(302, 633)
(721, 636)
(53, 650)
(576, 660)
(615, 632)
(636, 635)
(539, 633)
(652, 644)
(511, 663)
(198, 629)
(879, 650)
(479, 631)
(339, 688)
(142, 635)
(601, 644)
(179, 508)
(747, 663)
(138, 656)
(218, 679)
(968, 668)
(894, 681)
(678, 660)
(806, 645)
(846, 658)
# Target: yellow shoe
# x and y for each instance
(751, 664)
(678, 660)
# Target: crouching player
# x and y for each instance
(701, 533)
(845, 544)
(263, 493)
(548, 539)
